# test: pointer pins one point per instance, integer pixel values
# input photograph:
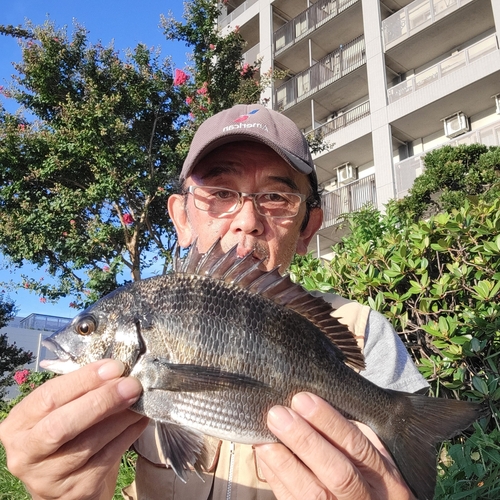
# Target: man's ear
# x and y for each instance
(178, 214)
(313, 225)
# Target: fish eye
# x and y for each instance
(86, 326)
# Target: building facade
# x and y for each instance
(28, 334)
(379, 82)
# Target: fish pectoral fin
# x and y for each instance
(182, 448)
(194, 378)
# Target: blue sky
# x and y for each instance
(123, 22)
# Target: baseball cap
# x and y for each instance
(252, 122)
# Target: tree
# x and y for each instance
(451, 174)
(11, 356)
(83, 184)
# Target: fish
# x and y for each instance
(219, 341)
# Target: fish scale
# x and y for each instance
(218, 342)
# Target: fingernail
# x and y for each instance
(111, 369)
(129, 389)
(280, 418)
(303, 404)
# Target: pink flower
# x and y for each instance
(212, 46)
(43, 300)
(203, 90)
(128, 219)
(180, 77)
(105, 269)
(21, 376)
(72, 222)
(189, 100)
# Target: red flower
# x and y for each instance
(189, 100)
(128, 219)
(203, 90)
(21, 376)
(180, 77)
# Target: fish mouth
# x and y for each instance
(64, 363)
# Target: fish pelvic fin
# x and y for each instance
(182, 448)
(420, 423)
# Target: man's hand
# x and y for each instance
(324, 455)
(66, 438)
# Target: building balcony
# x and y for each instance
(415, 17)
(409, 169)
(425, 29)
(252, 55)
(229, 18)
(317, 80)
(342, 120)
(346, 199)
(456, 61)
(306, 22)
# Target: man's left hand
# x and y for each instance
(324, 455)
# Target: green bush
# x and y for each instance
(438, 282)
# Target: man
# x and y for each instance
(65, 440)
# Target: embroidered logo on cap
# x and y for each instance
(239, 121)
(243, 118)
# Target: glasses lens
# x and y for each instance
(278, 204)
(216, 200)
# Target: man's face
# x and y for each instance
(248, 167)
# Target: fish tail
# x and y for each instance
(419, 423)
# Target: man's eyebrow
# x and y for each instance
(288, 181)
(219, 169)
(227, 168)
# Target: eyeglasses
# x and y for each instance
(227, 201)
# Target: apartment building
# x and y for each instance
(379, 82)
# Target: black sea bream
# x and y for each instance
(218, 342)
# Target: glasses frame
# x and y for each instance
(242, 195)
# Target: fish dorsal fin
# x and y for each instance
(245, 273)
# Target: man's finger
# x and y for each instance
(60, 390)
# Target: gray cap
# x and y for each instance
(252, 122)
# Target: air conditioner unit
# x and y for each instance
(346, 173)
(456, 124)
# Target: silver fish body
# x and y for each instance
(218, 342)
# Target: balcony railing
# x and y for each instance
(415, 16)
(348, 199)
(251, 55)
(235, 13)
(334, 66)
(409, 169)
(456, 61)
(342, 120)
(307, 21)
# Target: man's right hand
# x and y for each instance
(66, 438)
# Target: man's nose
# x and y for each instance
(247, 219)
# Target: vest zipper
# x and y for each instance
(231, 470)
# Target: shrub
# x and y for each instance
(438, 282)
